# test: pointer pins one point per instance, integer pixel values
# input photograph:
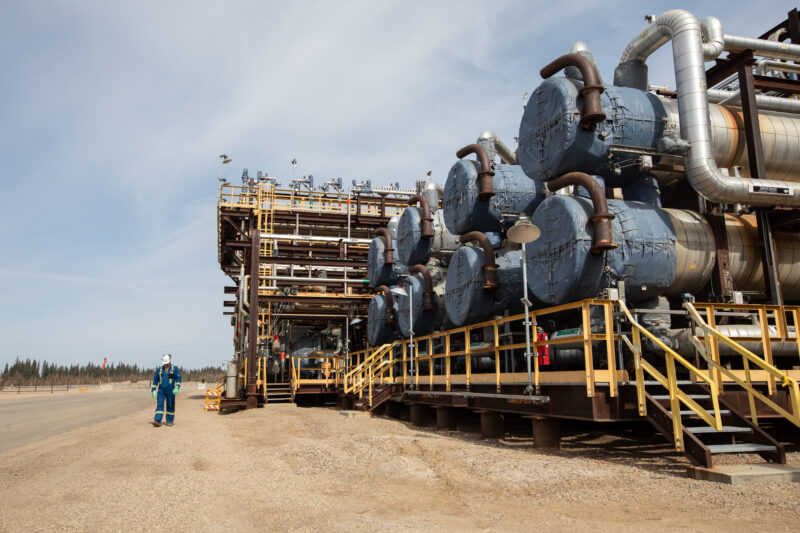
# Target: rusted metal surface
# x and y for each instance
(388, 251)
(601, 218)
(387, 294)
(546, 432)
(426, 221)
(419, 414)
(592, 112)
(445, 417)
(722, 280)
(489, 266)
(492, 425)
(485, 174)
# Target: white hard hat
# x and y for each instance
(166, 358)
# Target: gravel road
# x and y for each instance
(296, 469)
(30, 417)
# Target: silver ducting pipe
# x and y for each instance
(787, 348)
(768, 65)
(312, 238)
(506, 155)
(701, 169)
(765, 103)
(762, 47)
(780, 140)
(306, 281)
(713, 37)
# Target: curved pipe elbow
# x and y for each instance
(602, 239)
(387, 294)
(388, 251)
(428, 303)
(427, 219)
(485, 184)
(592, 113)
(489, 266)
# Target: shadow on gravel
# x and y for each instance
(635, 445)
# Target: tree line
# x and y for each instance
(30, 371)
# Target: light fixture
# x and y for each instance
(524, 231)
(355, 321)
(225, 159)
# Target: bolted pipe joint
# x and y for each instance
(427, 219)
(603, 239)
(592, 113)
(490, 283)
(387, 294)
(428, 303)
(485, 175)
(388, 251)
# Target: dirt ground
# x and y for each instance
(312, 469)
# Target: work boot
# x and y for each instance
(170, 424)
(156, 423)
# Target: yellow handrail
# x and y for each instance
(367, 366)
(670, 381)
(747, 358)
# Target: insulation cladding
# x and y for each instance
(413, 248)
(425, 322)
(561, 267)
(378, 331)
(552, 142)
(466, 301)
(514, 192)
(378, 272)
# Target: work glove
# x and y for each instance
(176, 389)
(154, 393)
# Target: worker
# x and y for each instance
(166, 385)
(543, 349)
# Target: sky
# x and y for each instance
(113, 115)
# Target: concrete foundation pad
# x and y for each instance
(355, 414)
(746, 474)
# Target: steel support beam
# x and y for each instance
(755, 155)
(252, 352)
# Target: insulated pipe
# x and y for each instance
(765, 102)
(427, 295)
(690, 77)
(762, 47)
(387, 293)
(427, 219)
(486, 188)
(506, 155)
(602, 238)
(767, 65)
(490, 266)
(388, 251)
(592, 107)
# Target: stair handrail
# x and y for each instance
(355, 381)
(747, 358)
(670, 381)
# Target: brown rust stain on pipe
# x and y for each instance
(485, 175)
(592, 106)
(428, 303)
(387, 294)
(489, 266)
(427, 219)
(602, 239)
(388, 251)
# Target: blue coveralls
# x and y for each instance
(165, 380)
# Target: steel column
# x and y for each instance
(252, 352)
(755, 155)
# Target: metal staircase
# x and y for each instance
(364, 376)
(279, 393)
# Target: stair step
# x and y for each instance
(725, 429)
(745, 447)
(689, 412)
(692, 396)
(679, 382)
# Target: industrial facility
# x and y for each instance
(634, 258)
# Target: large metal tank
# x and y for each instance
(514, 192)
(660, 252)
(380, 328)
(425, 320)
(379, 272)
(552, 141)
(413, 248)
(466, 300)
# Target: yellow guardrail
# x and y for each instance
(670, 381)
(709, 350)
(330, 369)
(367, 371)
